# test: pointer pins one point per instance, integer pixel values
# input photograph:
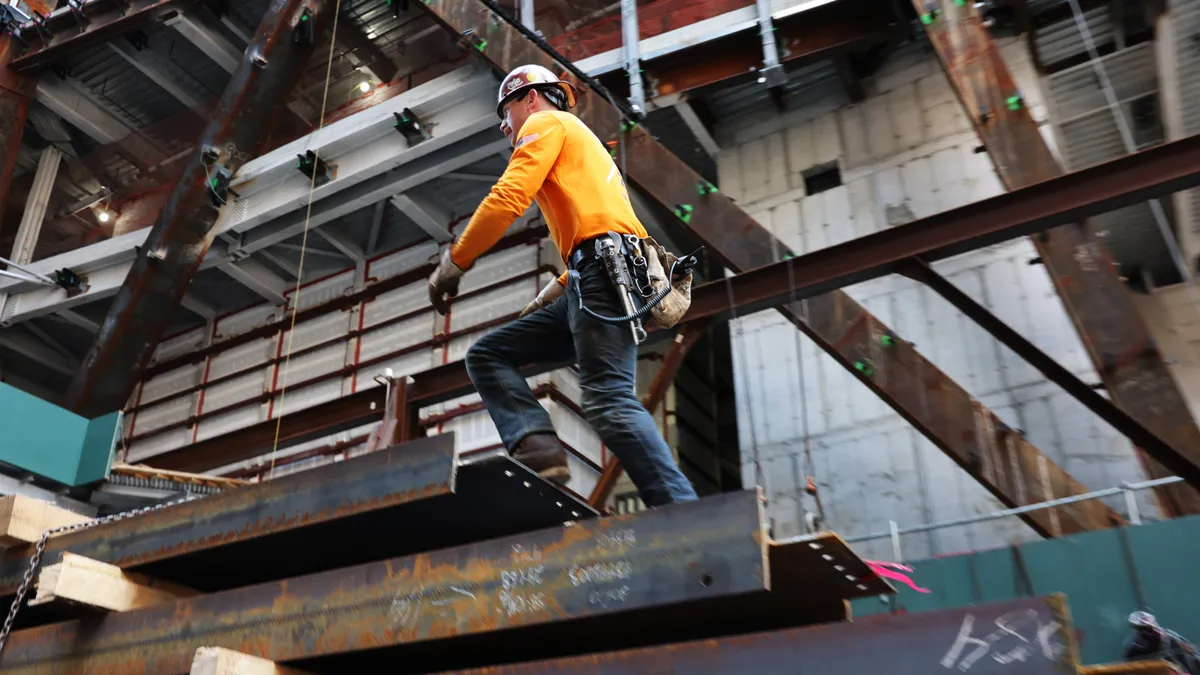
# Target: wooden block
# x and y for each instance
(24, 519)
(221, 661)
(102, 586)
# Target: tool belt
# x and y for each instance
(654, 285)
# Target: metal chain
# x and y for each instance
(40, 548)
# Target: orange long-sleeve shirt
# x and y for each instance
(562, 165)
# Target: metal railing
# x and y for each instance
(1127, 489)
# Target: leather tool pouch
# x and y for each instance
(671, 309)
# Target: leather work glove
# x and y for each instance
(444, 282)
(549, 294)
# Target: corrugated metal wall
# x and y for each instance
(338, 353)
(1180, 64)
(906, 152)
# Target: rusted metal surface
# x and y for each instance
(685, 339)
(181, 236)
(1079, 263)
(400, 420)
(943, 411)
(1056, 373)
(807, 36)
(423, 469)
(107, 21)
(16, 92)
(1030, 637)
(706, 551)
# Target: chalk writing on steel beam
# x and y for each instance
(1017, 637)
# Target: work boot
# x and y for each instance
(542, 453)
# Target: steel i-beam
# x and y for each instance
(417, 496)
(183, 232)
(670, 573)
(1079, 263)
(943, 411)
(982, 639)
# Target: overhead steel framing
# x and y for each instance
(971, 435)
(1079, 263)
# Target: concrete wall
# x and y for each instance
(906, 152)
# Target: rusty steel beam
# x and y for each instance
(1105, 409)
(416, 492)
(980, 639)
(685, 339)
(106, 20)
(183, 232)
(808, 36)
(1079, 263)
(1010, 468)
(567, 589)
(16, 92)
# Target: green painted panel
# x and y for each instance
(1090, 569)
(1093, 570)
(43, 439)
(96, 452)
(1166, 556)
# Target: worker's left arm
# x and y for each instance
(536, 150)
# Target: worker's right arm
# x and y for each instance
(536, 150)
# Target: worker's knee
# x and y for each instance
(609, 411)
(479, 355)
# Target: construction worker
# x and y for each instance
(561, 164)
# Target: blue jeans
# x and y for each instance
(607, 358)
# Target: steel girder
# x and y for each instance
(106, 20)
(668, 573)
(981, 639)
(416, 496)
(183, 232)
(1079, 263)
(16, 93)
(943, 411)
(370, 160)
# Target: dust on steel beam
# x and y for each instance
(183, 232)
(969, 433)
(387, 479)
(709, 550)
(1079, 263)
(871, 644)
(60, 36)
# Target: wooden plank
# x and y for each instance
(23, 519)
(102, 586)
(1083, 270)
(221, 661)
(147, 472)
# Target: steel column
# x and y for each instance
(35, 206)
(982, 640)
(183, 232)
(629, 47)
(482, 603)
(943, 411)
(16, 92)
(1079, 263)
